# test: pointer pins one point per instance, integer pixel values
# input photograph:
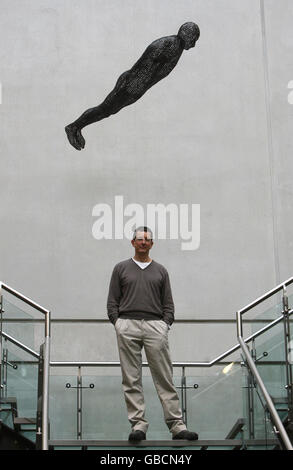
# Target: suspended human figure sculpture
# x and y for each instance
(158, 60)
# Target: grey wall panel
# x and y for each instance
(200, 136)
(279, 41)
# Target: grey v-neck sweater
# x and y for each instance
(140, 293)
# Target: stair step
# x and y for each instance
(8, 401)
(283, 400)
(20, 421)
(237, 428)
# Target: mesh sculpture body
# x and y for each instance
(158, 60)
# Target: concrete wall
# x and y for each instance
(215, 132)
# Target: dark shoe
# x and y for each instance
(136, 436)
(186, 435)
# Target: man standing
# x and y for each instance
(140, 305)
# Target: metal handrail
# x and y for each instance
(22, 297)
(46, 368)
(266, 296)
(20, 345)
(251, 364)
(145, 364)
(175, 364)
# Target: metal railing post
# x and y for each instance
(46, 374)
(251, 386)
(183, 396)
(39, 416)
(79, 404)
(5, 365)
(287, 339)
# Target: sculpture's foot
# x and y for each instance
(75, 137)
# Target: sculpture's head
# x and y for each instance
(189, 34)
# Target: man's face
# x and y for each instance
(142, 243)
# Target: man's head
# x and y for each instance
(189, 33)
(142, 240)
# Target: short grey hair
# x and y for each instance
(142, 229)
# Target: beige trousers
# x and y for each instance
(132, 336)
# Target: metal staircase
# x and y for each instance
(250, 388)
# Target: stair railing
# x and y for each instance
(46, 355)
(250, 362)
(242, 344)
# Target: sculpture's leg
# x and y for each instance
(90, 116)
(114, 102)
